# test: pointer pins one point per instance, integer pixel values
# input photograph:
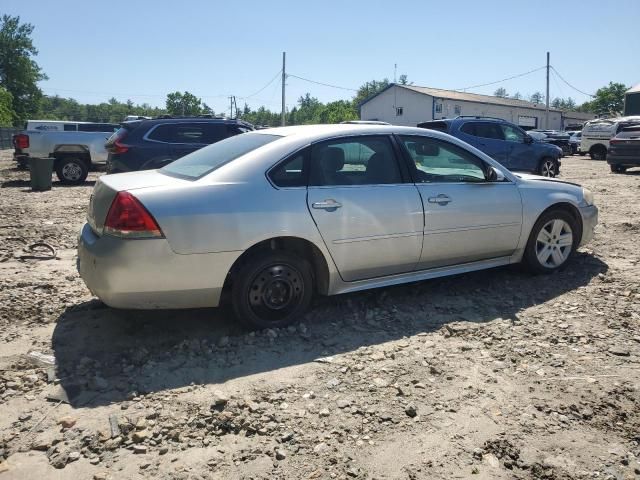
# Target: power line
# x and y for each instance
(503, 80)
(269, 83)
(323, 84)
(576, 89)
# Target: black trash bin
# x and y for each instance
(41, 170)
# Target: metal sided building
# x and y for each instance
(409, 105)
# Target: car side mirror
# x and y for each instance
(495, 175)
(528, 139)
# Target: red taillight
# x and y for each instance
(128, 218)
(119, 147)
(612, 141)
(21, 140)
(116, 145)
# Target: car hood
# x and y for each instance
(528, 177)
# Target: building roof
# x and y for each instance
(635, 89)
(468, 97)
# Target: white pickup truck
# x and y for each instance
(75, 147)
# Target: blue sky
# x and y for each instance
(144, 49)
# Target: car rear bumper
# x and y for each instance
(147, 274)
(626, 160)
(589, 221)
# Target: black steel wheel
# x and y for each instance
(272, 290)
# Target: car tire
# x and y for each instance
(71, 170)
(598, 153)
(618, 169)
(548, 167)
(272, 290)
(553, 239)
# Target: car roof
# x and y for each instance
(193, 119)
(316, 132)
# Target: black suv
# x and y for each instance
(150, 144)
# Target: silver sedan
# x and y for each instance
(276, 216)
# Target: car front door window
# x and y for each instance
(440, 161)
(512, 134)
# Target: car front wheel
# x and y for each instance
(548, 167)
(618, 169)
(272, 290)
(553, 239)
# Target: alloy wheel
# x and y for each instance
(554, 243)
(548, 168)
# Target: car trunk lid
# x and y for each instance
(108, 186)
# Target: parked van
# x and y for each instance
(597, 133)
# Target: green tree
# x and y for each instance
(403, 80)
(501, 92)
(516, 96)
(6, 108)
(183, 104)
(609, 100)
(19, 73)
(369, 89)
(537, 97)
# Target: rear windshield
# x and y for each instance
(630, 132)
(439, 126)
(207, 159)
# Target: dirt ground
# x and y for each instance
(495, 374)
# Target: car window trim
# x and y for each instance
(389, 136)
(413, 169)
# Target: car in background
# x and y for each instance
(624, 150)
(554, 137)
(150, 144)
(574, 141)
(269, 218)
(76, 147)
(503, 141)
(597, 133)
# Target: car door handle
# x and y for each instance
(441, 199)
(329, 204)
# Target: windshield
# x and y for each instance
(207, 159)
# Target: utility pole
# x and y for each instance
(395, 70)
(284, 77)
(231, 106)
(547, 110)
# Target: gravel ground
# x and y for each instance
(494, 374)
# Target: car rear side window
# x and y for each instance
(206, 160)
(291, 172)
(161, 133)
(70, 128)
(191, 133)
(483, 130)
(97, 127)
